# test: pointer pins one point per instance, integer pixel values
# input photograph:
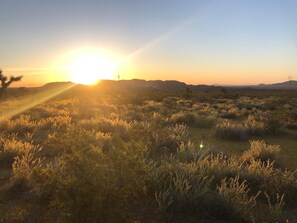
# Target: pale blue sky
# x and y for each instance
(213, 42)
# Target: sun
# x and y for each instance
(89, 67)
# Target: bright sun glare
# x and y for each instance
(89, 67)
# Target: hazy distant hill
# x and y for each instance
(56, 84)
(172, 85)
(281, 86)
(143, 84)
(180, 86)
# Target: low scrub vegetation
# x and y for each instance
(122, 158)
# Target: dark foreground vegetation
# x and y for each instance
(99, 155)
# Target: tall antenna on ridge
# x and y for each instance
(289, 81)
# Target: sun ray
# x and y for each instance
(28, 102)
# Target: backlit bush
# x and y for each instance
(10, 148)
(255, 127)
(91, 186)
(230, 130)
(20, 125)
(183, 118)
(236, 195)
(259, 150)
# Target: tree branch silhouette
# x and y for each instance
(5, 82)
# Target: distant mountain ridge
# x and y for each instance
(173, 85)
(177, 85)
(152, 84)
(137, 84)
(287, 85)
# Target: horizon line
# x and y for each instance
(32, 85)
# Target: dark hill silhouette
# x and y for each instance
(56, 84)
(143, 84)
(279, 86)
(170, 85)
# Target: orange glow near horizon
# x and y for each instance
(89, 65)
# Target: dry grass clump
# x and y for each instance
(12, 147)
(56, 123)
(107, 125)
(166, 141)
(183, 188)
(194, 119)
(20, 125)
(183, 118)
(236, 195)
(230, 130)
(24, 165)
(255, 127)
(233, 130)
(259, 150)
(231, 113)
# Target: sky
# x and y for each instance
(228, 42)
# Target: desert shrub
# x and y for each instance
(220, 166)
(89, 108)
(109, 159)
(106, 109)
(12, 147)
(51, 124)
(166, 140)
(20, 125)
(266, 177)
(152, 106)
(229, 130)
(275, 207)
(204, 121)
(259, 150)
(179, 189)
(192, 119)
(187, 152)
(250, 127)
(161, 120)
(56, 123)
(92, 186)
(106, 125)
(273, 126)
(269, 106)
(229, 115)
(255, 127)
(232, 113)
(52, 109)
(171, 180)
(286, 183)
(134, 116)
(183, 118)
(236, 195)
(61, 142)
(18, 185)
(24, 165)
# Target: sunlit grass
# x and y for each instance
(12, 107)
(80, 158)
